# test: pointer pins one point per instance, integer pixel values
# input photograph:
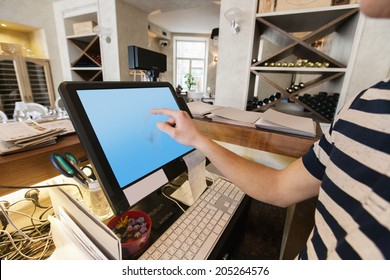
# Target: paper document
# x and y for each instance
(64, 124)
(283, 122)
(88, 231)
(22, 136)
(235, 116)
(199, 108)
(79, 237)
(190, 191)
(184, 194)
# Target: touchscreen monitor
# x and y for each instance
(130, 155)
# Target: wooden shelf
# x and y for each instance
(295, 70)
(282, 28)
(85, 55)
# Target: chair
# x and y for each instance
(3, 117)
(36, 107)
(58, 104)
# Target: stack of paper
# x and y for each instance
(200, 109)
(22, 136)
(235, 116)
(278, 121)
(270, 119)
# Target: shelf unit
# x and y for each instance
(82, 53)
(288, 38)
(85, 56)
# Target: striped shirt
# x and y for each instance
(352, 160)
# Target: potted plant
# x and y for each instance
(190, 81)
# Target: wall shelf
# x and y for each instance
(302, 46)
(85, 56)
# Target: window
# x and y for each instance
(190, 57)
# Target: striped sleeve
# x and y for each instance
(352, 217)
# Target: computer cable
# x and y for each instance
(25, 240)
(170, 198)
(24, 248)
(16, 228)
(33, 241)
(43, 186)
(176, 186)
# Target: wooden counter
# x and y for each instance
(274, 142)
(34, 166)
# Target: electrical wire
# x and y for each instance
(170, 198)
(43, 186)
(177, 186)
(30, 242)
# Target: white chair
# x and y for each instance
(36, 107)
(58, 104)
(3, 117)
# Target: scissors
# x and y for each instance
(85, 170)
(66, 168)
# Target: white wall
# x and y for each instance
(132, 28)
(372, 61)
(235, 55)
(41, 16)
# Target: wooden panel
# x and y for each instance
(34, 166)
(274, 142)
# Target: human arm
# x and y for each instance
(277, 187)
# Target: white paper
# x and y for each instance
(275, 120)
(196, 165)
(237, 115)
(65, 124)
(28, 129)
(67, 247)
(200, 108)
(101, 236)
(184, 194)
(80, 236)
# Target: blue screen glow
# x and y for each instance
(127, 132)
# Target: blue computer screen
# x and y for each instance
(127, 132)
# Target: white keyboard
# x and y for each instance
(194, 235)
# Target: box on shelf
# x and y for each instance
(266, 6)
(82, 28)
(286, 5)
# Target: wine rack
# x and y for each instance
(295, 58)
(86, 56)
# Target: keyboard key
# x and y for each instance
(206, 247)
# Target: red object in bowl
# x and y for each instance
(132, 247)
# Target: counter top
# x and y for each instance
(34, 166)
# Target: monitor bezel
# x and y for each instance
(115, 194)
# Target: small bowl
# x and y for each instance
(133, 246)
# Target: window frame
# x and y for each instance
(205, 59)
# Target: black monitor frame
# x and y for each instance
(88, 138)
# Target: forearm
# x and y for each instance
(280, 188)
(277, 187)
